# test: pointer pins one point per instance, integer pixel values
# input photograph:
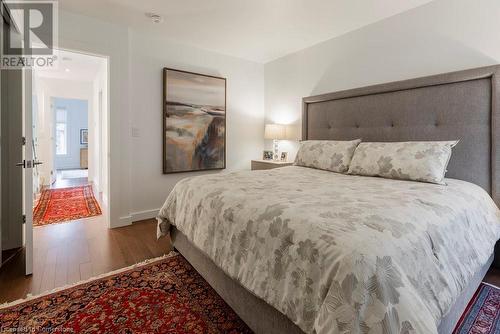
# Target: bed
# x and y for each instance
(296, 250)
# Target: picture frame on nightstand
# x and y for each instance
(284, 156)
(267, 155)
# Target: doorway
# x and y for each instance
(70, 188)
(69, 125)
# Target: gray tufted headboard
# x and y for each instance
(461, 105)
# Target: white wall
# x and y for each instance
(137, 187)
(442, 36)
(245, 112)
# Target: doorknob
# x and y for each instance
(28, 164)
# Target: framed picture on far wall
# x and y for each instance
(84, 136)
(194, 122)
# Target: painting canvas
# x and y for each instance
(194, 120)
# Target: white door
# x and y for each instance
(11, 176)
(29, 164)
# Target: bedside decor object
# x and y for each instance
(269, 164)
(284, 156)
(276, 132)
(194, 122)
(84, 136)
(268, 155)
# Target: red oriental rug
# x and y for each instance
(165, 295)
(483, 312)
(60, 205)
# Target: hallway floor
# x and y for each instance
(70, 178)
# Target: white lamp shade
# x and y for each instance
(275, 131)
(292, 132)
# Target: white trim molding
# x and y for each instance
(136, 216)
(142, 215)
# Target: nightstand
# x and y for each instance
(269, 164)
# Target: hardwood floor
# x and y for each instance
(70, 252)
(493, 277)
(62, 182)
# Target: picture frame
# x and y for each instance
(284, 156)
(194, 121)
(267, 155)
(84, 136)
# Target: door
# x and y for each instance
(11, 124)
(16, 154)
(29, 164)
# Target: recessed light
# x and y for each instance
(155, 17)
(66, 70)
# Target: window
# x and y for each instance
(61, 132)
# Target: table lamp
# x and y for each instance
(276, 132)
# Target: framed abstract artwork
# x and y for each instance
(194, 122)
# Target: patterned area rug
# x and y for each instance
(482, 314)
(164, 296)
(60, 205)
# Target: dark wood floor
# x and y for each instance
(70, 252)
(493, 277)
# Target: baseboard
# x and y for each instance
(143, 215)
(123, 221)
(135, 217)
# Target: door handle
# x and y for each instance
(28, 164)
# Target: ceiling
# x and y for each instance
(73, 66)
(257, 30)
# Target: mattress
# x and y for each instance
(339, 253)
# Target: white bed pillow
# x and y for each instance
(329, 155)
(417, 161)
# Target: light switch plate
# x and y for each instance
(136, 132)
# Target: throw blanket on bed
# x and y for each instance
(338, 253)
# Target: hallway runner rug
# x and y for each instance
(60, 205)
(165, 295)
(482, 314)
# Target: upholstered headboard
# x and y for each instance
(461, 105)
